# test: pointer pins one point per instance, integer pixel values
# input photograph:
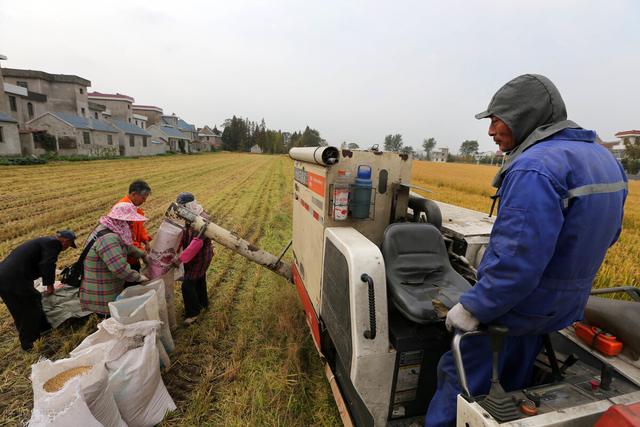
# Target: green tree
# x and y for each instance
(469, 148)
(234, 134)
(407, 149)
(632, 148)
(311, 138)
(353, 146)
(393, 142)
(428, 145)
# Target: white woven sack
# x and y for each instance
(94, 385)
(64, 410)
(158, 286)
(136, 308)
(142, 398)
(115, 339)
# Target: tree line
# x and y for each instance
(240, 134)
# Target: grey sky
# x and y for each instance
(354, 70)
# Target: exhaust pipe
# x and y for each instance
(231, 240)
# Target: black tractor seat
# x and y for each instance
(418, 271)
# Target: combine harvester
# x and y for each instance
(377, 267)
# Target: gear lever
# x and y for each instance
(497, 402)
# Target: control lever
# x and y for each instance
(497, 402)
(606, 377)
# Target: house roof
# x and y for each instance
(85, 123)
(627, 133)
(206, 131)
(34, 74)
(172, 132)
(184, 126)
(147, 107)
(7, 118)
(117, 96)
(130, 128)
(609, 145)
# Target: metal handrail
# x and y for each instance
(632, 291)
(457, 357)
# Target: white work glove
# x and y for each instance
(459, 318)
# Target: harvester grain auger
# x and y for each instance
(377, 267)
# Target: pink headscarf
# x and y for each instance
(118, 220)
(120, 227)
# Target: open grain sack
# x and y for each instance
(133, 362)
(64, 409)
(115, 338)
(55, 385)
(158, 286)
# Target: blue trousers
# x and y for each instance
(515, 367)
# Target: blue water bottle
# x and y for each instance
(361, 194)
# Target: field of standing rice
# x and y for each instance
(249, 359)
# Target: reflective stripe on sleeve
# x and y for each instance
(587, 190)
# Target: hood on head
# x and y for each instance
(526, 103)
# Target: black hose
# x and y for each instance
(371, 333)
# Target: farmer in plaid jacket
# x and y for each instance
(106, 268)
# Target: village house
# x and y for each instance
(98, 111)
(617, 148)
(45, 92)
(140, 120)
(9, 136)
(188, 131)
(256, 149)
(209, 138)
(73, 135)
(152, 113)
(118, 105)
(135, 141)
(170, 136)
(24, 105)
(440, 155)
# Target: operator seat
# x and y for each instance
(418, 271)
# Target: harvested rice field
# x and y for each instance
(249, 360)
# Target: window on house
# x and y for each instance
(81, 91)
(30, 109)
(129, 106)
(110, 139)
(82, 111)
(95, 115)
(129, 120)
(13, 104)
(23, 84)
(144, 141)
(1, 135)
(86, 137)
(132, 141)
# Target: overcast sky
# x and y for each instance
(354, 70)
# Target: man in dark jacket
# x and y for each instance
(33, 259)
(561, 199)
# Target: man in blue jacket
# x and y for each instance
(561, 199)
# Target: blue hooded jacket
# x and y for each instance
(561, 208)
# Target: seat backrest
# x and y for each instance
(418, 270)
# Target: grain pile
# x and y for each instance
(56, 383)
